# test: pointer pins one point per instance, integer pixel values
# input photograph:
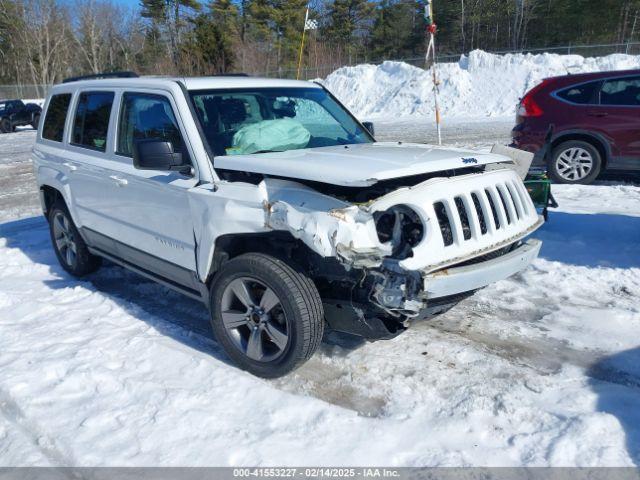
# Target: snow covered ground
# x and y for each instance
(540, 369)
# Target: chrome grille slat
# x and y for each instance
(454, 219)
(486, 210)
(497, 203)
(506, 196)
(526, 199)
(472, 215)
(516, 199)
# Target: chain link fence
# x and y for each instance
(322, 71)
(23, 91)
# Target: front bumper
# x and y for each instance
(456, 280)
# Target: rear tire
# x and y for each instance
(267, 316)
(575, 162)
(36, 121)
(70, 248)
(5, 126)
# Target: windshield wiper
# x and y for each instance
(267, 151)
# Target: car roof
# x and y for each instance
(597, 75)
(191, 83)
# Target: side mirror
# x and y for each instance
(156, 154)
(369, 127)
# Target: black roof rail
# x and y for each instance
(238, 74)
(101, 75)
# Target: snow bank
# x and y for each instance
(481, 84)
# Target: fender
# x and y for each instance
(54, 178)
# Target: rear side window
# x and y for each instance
(145, 116)
(53, 127)
(622, 91)
(92, 120)
(581, 94)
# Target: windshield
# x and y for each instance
(259, 120)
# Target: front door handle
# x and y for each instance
(121, 182)
(593, 113)
(70, 166)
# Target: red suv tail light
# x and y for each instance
(528, 107)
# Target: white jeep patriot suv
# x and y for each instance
(270, 202)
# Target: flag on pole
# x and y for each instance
(308, 23)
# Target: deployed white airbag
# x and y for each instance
(268, 135)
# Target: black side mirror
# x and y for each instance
(369, 127)
(156, 154)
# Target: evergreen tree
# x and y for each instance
(211, 44)
(399, 29)
(349, 23)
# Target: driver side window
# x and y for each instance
(147, 116)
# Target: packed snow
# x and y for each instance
(480, 84)
(540, 369)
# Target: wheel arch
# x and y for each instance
(279, 244)
(598, 141)
(48, 196)
(51, 190)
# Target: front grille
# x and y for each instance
(498, 207)
(465, 216)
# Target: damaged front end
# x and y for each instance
(386, 252)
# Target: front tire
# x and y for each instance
(267, 316)
(36, 121)
(575, 161)
(5, 126)
(70, 248)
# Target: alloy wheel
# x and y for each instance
(574, 164)
(254, 319)
(65, 239)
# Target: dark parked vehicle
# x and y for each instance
(596, 124)
(14, 113)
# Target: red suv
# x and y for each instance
(595, 119)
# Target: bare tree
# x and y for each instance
(39, 33)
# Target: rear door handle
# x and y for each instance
(121, 182)
(70, 166)
(597, 114)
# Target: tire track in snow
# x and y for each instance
(43, 442)
(546, 356)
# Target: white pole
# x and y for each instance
(435, 87)
(431, 49)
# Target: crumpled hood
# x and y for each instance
(358, 165)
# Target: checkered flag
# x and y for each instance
(308, 23)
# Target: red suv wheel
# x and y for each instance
(575, 161)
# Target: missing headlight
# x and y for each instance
(401, 226)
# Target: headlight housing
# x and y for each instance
(401, 226)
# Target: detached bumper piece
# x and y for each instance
(455, 280)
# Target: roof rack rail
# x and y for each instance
(237, 74)
(101, 75)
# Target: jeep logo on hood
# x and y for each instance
(469, 160)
